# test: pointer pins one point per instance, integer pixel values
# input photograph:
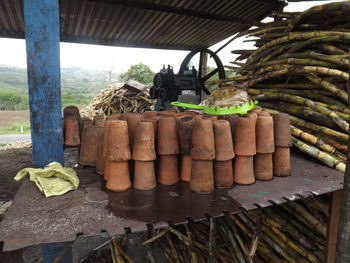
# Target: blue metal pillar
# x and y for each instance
(42, 32)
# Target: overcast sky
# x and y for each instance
(12, 52)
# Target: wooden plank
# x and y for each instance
(43, 68)
(333, 226)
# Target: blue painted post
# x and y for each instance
(42, 32)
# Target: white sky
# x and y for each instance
(12, 52)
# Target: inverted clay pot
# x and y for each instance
(203, 146)
(143, 149)
(100, 123)
(144, 176)
(150, 114)
(265, 135)
(243, 170)
(118, 178)
(168, 172)
(98, 117)
(232, 119)
(154, 122)
(132, 119)
(282, 130)
(198, 116)
(71, 111)
(264, 113)
(257, 110)
(167, 137)
(72, 134)
(210, 117)
(223, 173)
(185, 126)
(245, 141)
(85, 122)
(100, 160)
(186, 167)
(223, 140)
(202, 176)
(281, 161)
(88, 148)
(118, 141)
(263, 166)
(166, 114)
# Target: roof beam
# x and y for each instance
(179, 11)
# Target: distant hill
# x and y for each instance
(78, 86)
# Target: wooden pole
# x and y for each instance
(42, 32)
(333, 226)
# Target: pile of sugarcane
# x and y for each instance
(301, 67)
(117, 99)
(292, 232)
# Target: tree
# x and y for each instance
(9, 100)
(139, 72)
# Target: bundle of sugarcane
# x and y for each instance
(117, 99)
(291, 232)
(300, 67)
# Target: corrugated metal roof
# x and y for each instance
(170, 24)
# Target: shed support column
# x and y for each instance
(42, 32)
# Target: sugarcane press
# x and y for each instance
(187, 85)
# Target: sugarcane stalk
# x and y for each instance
(309, 103)
(316, 128)
(319, 143)
(322, 156)
(328, 86)
(194, 257)
(227, 243)
(154, 238)
(116, 255)
(212, 240)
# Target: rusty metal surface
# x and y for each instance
(175, 203)
(135, 23)
(32, 219)
(308, 178)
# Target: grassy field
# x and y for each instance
(11, 122)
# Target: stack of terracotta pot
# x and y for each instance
(283, 142)
(71, 126)
(141, 150)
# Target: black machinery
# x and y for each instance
(187, 85)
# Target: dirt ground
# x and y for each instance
(7, 118)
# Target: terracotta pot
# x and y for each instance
(223, 173)
(263, 167)
(210, 117)
(166, 114)
(144, 176)
(105, 138)
(88, 148)
(223, 140)
(281, 161)
(257, 110)
(118, 178)
(264, 135)
(118, 141)
(100, 160)
(72, 136)
(202, 176)
(282, 130)
(150, 114)
(167, 143)
(245, 141)
(203, 146)
(71, 111)
(252, 115)
(132, 119)
(186, 114)
(243, 170)
(100, 123)
(198, 116)
(185, 126)
(232, 119)
(168, 172)
(122, 116)
(143, 149)
(264, 113)
(154, 122)
(98, 117)
(85, 122)
(186, 166)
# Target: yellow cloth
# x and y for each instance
(52, 180)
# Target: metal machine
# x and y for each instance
(187, 85)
